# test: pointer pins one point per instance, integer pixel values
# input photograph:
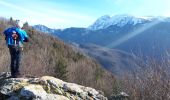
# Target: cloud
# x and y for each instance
(121, 2)
(51, 17)
(67, 14)
(18, 8)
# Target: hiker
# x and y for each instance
(15, 36)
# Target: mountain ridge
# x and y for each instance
(150, 31)
(118, 20)
(121, 20)
(106, 21)
(150, 39)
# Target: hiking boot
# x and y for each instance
(12, 77)
(18, 75)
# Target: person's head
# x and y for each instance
(19, 24)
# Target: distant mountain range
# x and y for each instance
(149, 36)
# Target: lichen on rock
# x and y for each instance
(45, 88)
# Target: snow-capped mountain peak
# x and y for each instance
(44, 28)
(119, 20)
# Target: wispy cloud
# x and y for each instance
(78, 13)
(49, 17)
(22, 9)
(67, 14)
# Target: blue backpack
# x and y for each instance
(12, 36)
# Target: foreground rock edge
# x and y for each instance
(44, 88)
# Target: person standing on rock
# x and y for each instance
(15, 36)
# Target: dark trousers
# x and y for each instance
(15, 53)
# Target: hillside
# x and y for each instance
(115, 61)
(46, 55)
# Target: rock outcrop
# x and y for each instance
(44, 88)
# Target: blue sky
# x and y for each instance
(78, 13)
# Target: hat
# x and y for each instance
(19, 24)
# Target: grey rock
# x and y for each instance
(45, 88)
(56, 97)
(120, 96)
(33, 91)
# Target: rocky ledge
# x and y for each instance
(44, 88)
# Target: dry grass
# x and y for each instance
(152, 83)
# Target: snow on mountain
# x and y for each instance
(118, 20)
(121, 20)
(44, 29)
